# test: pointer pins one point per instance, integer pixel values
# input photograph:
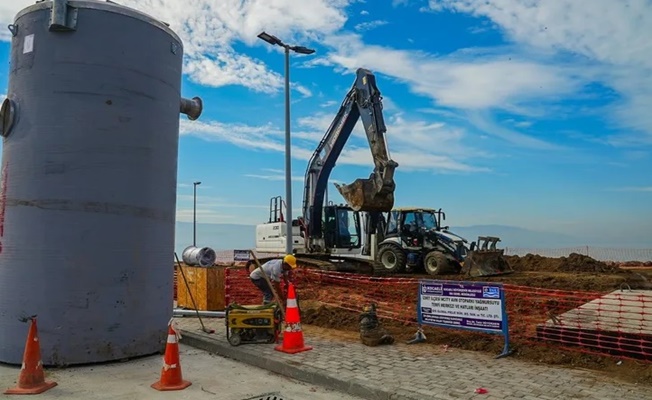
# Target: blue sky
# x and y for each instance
(505, 112)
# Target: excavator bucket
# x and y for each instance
(486, 260)
(363, 195)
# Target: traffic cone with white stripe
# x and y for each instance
(292, 336)
(32, 378)
(171, 377)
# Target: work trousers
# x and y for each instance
(261, 284)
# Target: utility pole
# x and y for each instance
(194, 213)
(273, 40)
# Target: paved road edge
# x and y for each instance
(299, 372)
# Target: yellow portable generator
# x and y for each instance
(252, 324)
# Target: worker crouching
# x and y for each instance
(274, 270)
(371, 331)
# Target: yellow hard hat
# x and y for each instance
(290, 260)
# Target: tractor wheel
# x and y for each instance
(436, 263)
(392, 258)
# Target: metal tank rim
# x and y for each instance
(104, 6)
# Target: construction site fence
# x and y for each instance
(617, 324)
(615, 254)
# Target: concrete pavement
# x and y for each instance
(212, 377)
(402, 372)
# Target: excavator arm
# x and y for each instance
(376, 193)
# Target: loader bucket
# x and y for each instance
(486, 260)
(363, 195)
(486, 263)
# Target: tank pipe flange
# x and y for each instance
(62, 17)
(192, 107)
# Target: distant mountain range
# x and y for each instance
(233, 236)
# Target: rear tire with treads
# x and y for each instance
(392, 258)
(436, 263)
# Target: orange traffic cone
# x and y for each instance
(293, 336)
(171, 377)
(32, 378)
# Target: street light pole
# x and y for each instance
(194, 213)
(273, 40)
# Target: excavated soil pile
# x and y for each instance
(325, 316)
(573, 263)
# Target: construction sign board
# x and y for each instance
(241, 255)
(477, 306)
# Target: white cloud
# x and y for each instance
(303, 90)
(484, 122)
(467, 79)
(367, 26)
(274, 177)
(415, 144)
(8, 10)
(279, 175)
(473, 80)
(364, 12)
(210, 29)
(613, 35)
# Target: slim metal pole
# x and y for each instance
(288, 160)
(194, 215)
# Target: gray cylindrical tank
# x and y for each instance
(89, 169)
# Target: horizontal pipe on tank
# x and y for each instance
(199, 256)
(193, 313)
(7, 117)
(192, 107)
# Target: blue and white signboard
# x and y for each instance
(478, 306)
(241, 255)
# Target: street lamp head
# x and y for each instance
(196, 183)
(302, 50)
(271, 39)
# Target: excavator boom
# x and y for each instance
(376, 193)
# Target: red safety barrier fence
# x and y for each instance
(239, 289)
(175, 283)
(617, 323)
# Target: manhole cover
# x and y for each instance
(267, 396)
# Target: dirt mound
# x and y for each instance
(573, 263)
(636, 264)
(322, 315)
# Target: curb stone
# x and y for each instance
(299, 372)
